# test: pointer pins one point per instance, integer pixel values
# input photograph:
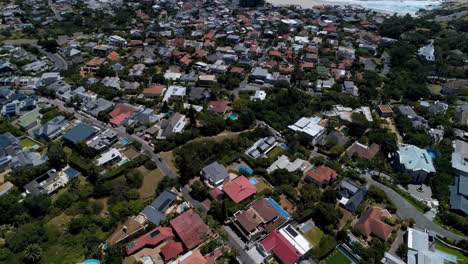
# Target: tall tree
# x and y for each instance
(33, 253)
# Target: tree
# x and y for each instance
(37, 205)
(329, 196)
(326, 216)
(198, 190)
(402, 251)
(33, 253)
(56, 156)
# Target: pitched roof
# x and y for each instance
(281, 247)
(239, 189)
(459, 194)
(218, 106)
(156, 90)
(259, 212)
(193, 257)
(132, 225)
(113, 56)
(363, 151)
(80, 132)
(171, 250)
(372, 222)
(321, 174)
(414, 158)
(215, 172)
(155, 212)
(190, 228)
(152, 238)
(121, 113)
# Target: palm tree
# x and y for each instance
(32, 253)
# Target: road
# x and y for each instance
(54, 9)
(60, 63)
(239, 245)
(406, 210)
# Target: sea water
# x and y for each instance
(391, 6)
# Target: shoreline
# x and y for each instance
(411, 6)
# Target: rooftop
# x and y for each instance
(239, 189)
(190, 228)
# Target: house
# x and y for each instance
(351, 194)
(417, 121)
(30, 119)
(218, 107)
(283, 162)
(239, 189)
(372, 222)
(262, 147)
(385, 110)
(154, 91)
(438, 108)
(132, 227)
(9, 147)
(199, 93)
(427, 52)
(192, 257)
(259, 218)
(321, 175)
(151, 239)
(287, 244)
(350, 88)
(47, 183)
(420, 245)
(459, 190)
(52, 129)
(461, 114)
(206, 80)
(171, 250)
(92, 66)
(416, 162)
(174, 125)
(94, 107)
(80, 133)
(174, 92)
(5, 187)
(190, 228)
(120, 114)
(156, 211)
(259, 96)
(362, 151)
(309, 126)
(109, 157)
(215, 173)
(104, 140)
(259, 74)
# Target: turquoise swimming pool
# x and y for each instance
(278, 208)
(91, 261)
(125, 141)
(432, 153)
(242, 168)
(233, 116)
(253, 181)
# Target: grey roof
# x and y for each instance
(199, 93)
(26, 159)
(459, 194)
(355, 200)
(7, 139)
(438, 107)
(81, 132)
(50, 127)
(40, 184)
(155, 212)
(215, 172)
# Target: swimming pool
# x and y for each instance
(253, 181)
(125, 141)
(122, 162)
(242, 168)
(446, 256)
(91, 261)
(432, 153)
(233, 116)
(278, 208)
(306, 226)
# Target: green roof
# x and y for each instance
(29, 118)
(322, 70)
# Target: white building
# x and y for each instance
(259, 96)
(309, 126)
(108, 157)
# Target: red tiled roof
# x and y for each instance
(190, 228)
(275, 53)
(113, 56)
(372, 222)
(216, 193)
(171, 250)
(195, 258)
(120, 113)
(218, 106)
(363, 151)
(321, 174)
(155, 90)
(239, 189)
(281, 247)
(237, 70)
(152, 238)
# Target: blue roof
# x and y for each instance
(71, 173)
(81, 132)
(415, 159)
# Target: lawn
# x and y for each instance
(276, 152)
(150, 182)
(314, 236)
(336, 257)
(461, 258)
(27, 143)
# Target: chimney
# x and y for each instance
(124, 229)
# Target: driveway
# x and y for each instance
(406, 210)
(239, 245)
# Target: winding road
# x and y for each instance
(406, 210)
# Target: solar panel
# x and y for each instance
(131, 245)
(155, 233)
(164, 204)
(291, 231)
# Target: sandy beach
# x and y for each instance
(385, 6)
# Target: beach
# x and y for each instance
(387, 6)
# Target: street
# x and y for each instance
(406, 210)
